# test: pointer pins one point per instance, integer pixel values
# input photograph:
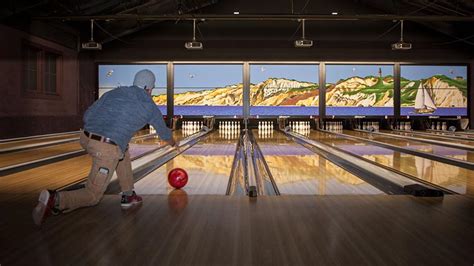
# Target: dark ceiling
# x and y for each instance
(450, 33)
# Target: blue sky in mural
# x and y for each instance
(421, 72)
(336, 72)
(309, 73)
(206, 76)
(122, 75)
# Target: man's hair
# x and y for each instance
(144, 79)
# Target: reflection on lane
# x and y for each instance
(454, 178)
(463, 134)
(208, 164)
(29, 155)
(439, 150)
(297, 170)
(138, 147)
(434, 137)
(37, 141)
(26, 156)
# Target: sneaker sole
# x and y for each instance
(127, 205)
(40, 210)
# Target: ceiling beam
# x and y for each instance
(258, 17)
(150, 23)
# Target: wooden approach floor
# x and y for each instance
(217, 230)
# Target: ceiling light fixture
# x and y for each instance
(401, 45)
(303, 43)
(193, 45)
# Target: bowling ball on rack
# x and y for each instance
(177, 178)
(452, 128)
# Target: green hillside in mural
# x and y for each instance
(445, 91)
(369, 91)
(355, 91)
(271, 92)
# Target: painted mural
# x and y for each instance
(113, 76)
(284, 89)
(433, 90)
(359, 90)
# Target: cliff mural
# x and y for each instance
(356, 91)
(359, 89)
(433, 90)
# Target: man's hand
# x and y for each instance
(172, 142)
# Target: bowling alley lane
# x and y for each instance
(59, 174)
(25, 156)
(457, 179)
(435, 137)
(438, 150)
(139, 145)
(463, 134)
(208, 164)
(297, 170)
(37, 141)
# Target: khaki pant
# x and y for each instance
(106, 158)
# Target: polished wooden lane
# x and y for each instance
(51, 138)
(24, 156)
(457, 179)
(438, 150)
(464, 134)
(297, 170)
(220, 230)
(208, 164)
(37, 141)
(50, 176)
(435, 137)
(55, 175)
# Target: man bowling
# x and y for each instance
(109, 125)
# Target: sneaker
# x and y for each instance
(45, 206)
(128, 201)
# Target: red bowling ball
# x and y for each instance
(177, 178)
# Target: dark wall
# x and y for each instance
(471, 95)
(22, 114)
(88, 89)
(273, 40)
